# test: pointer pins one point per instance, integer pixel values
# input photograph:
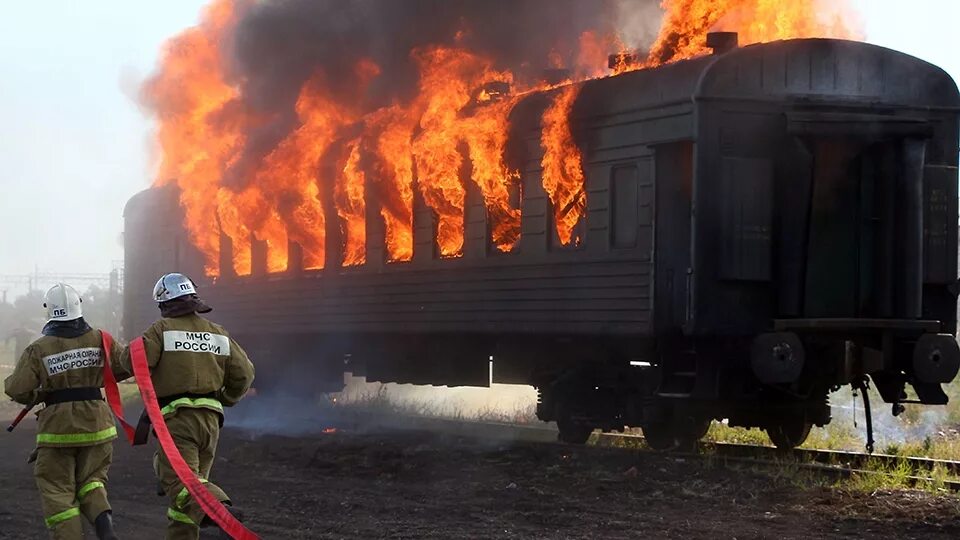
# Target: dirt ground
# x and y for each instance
(385, 483)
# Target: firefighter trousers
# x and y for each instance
(72, 482)
(196, 433)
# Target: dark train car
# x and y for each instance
(764, 225)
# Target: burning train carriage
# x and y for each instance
(761, 226)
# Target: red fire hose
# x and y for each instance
(111, 389)
(109, 385)
(23, 413)
(210, 505)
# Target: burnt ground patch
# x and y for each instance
(411, 484)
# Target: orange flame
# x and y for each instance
(438, 161)
(351, 206)
(458, 122)
(197, 136)
(290, 171)
(563, 177)
(234, 226)
(486, 135)
(447, 78)
(686, 24)
(393, 132)
(592, 57)
(238, 212)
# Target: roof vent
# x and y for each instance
(493, 92)
(623, 59)
(722, 42)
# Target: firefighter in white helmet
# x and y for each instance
(64, 369)
(197, 369)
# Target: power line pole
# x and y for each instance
(38, 280)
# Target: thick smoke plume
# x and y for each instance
(288, 123)
(279, 45)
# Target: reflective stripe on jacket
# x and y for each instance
(54, 363)
(192, 355)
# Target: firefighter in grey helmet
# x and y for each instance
(197, 369)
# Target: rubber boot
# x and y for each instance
(104, 526)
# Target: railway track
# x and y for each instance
(913, 471)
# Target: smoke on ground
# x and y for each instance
(917, 424)
(285, 413)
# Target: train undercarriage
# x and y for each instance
(779, 382)
(672, 387)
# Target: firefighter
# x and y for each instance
(64, 369)
(197, 369)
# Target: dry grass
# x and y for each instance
(836, 436)
(380, 400)
(878, 475)
(921, 431)
(841, 435)
(721, 432)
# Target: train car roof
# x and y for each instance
(811, 70)
(152, 199)
(802, 71)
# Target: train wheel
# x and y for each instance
(573, 423)
(571, 431)
(682, 435)
(660, 435)
(789, 432)
(689, 433)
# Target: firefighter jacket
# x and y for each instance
(68, 373)
(194, 363)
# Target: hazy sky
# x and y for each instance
(74, 146)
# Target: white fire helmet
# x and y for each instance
(172, 286)
(63, 303)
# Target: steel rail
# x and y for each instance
(837, 464)
(854, 460)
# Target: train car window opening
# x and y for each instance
(515, 191)
(624, 207)
(577, 236)
(434, 238)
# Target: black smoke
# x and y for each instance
(278, 45)
(281, 43)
